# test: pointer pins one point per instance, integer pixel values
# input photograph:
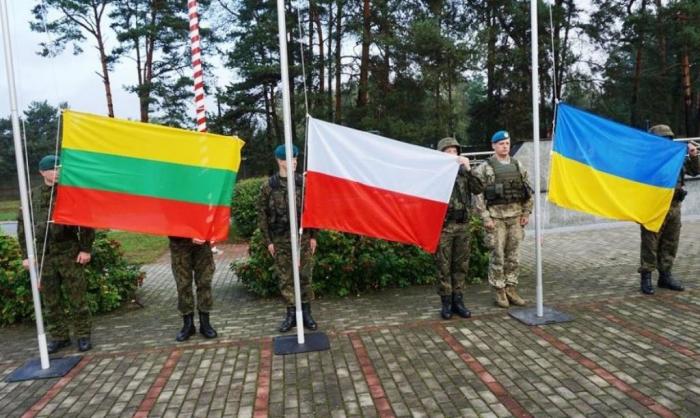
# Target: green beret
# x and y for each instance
(49, 162)
(281, 153)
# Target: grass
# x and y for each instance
(8, 210)
(140, 248)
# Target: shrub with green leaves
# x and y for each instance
(350, 264)
(244, 206)
(111, 280)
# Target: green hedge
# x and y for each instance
(243, 207)
(349, 264)
(111, 280)
(345, 264)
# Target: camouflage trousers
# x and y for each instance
(504, 242)
(658, 249)
(452, 258)
(283, 269)
(62, 274)
(192, 262)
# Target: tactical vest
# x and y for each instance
(508, 186)
(278, 206)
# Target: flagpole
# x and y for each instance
(536, 140)
(22, 176)
(291, 188)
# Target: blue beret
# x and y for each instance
(49, 162)
(281, 154)
(500, 136)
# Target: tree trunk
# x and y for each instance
(634, 112)
(321, 57)
(362, 91)
(491, 53)
(105, 73)
(661, 35)
(687, 90)
(329, 37)
(338, 46)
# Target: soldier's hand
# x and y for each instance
(490, 224)
(524, 220)
(465, 162)
(25, 263)
(692, 150)
(312, 245)
(198, 241)
(271, 249)
(83, 258)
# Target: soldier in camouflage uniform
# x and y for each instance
(68, 250)
(505, 208)
(452, 256)
(192, 259)
(658, 249)
(273, 220)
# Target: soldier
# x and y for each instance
(192, 258)
(273, 220)
(452, 256)
(505, 208)
(658, 249)
(68, 249)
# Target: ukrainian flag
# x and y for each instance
(610, 170)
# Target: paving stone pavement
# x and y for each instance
(391, 356)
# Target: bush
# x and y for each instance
(349, 264)
(111, 280)
(244, 206)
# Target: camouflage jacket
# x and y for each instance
(691, 167)
(273, 210)
(461, 198)
(61, 238)
(485, 174)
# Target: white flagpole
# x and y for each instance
(21, 174)
(291, 190)
(536, 140)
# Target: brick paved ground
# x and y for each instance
(391, 356)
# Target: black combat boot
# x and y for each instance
(458, 306)
(290, 321)
(205, 327)
(446, 311)
(667, 281)
(84, 344)
(646, 286)
(309, 322)
(188, 328)
(55, 345)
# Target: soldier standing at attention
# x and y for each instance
(68, 250)
(505, 210)
(658, 249)
(452, 256)
(192, 258)
(273, 220)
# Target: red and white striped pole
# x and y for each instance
(197, 66)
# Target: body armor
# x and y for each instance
(508, 186)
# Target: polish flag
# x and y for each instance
(369, 185)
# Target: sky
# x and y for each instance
(67, 77)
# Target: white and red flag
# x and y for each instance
(369, 185)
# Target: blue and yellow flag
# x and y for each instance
(608, 169)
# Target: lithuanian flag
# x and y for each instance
(608, 169)
(145, 178)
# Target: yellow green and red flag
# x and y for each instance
(145, 178)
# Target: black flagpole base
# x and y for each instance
(31, 370)
(288, 344)
(528, 316)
